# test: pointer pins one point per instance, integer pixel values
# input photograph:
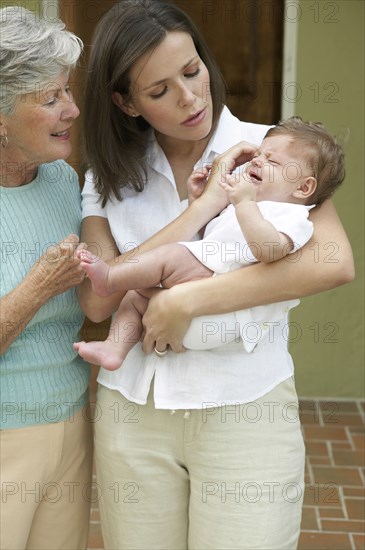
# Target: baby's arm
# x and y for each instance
(266, 242)
(196, 182)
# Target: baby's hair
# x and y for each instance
(325, 158)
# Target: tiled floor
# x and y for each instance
(334, 501)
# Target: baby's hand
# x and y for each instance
(197, 182)
(239, 187)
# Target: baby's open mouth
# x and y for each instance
(255, 177)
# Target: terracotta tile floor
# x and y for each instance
(334, 501)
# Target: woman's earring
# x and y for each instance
(4, 141)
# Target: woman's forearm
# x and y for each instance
(55, 272)
(17, 308)
(96, 231)
(209, 204)
(183, 228)
(96, 234)
(325, 262)
(95, 307)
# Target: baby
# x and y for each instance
(298, 165)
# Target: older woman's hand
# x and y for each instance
(53, 273)
(59, 268)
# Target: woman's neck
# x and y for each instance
(15, 174)
(182, 156)
(189, 151)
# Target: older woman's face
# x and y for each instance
(39, 129)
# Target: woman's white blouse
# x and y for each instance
(194, 379)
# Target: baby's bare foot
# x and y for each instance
(100, 353)
(97, 271)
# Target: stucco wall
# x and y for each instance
(329, 328)
(326, 83)
(29, 4)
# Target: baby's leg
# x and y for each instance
(169, 264)
(139, 271)
(125, 331)
(180, 266)
(144, 270)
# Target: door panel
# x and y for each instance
(246, 38)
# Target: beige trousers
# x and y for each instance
(46, 485)
(227, 477)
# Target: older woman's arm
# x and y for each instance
(55, 272)
(324, 263)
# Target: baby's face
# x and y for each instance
(278, 168)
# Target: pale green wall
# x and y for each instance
(29, 4)
(329, 357)
(329, 328)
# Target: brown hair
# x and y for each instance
(115, 143)
(325, 158)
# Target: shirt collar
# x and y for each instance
(227, 133)
(156, 157)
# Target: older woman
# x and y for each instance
(45, 437)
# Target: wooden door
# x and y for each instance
(246, 38)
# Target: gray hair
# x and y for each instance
(33, 52)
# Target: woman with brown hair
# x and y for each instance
(181, 462)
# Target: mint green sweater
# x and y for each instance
(42, 379)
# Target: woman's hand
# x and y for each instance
(235, 156)
(197, 181)
(214, 196)
(59, 268)
(53, 273)
(166, 320)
